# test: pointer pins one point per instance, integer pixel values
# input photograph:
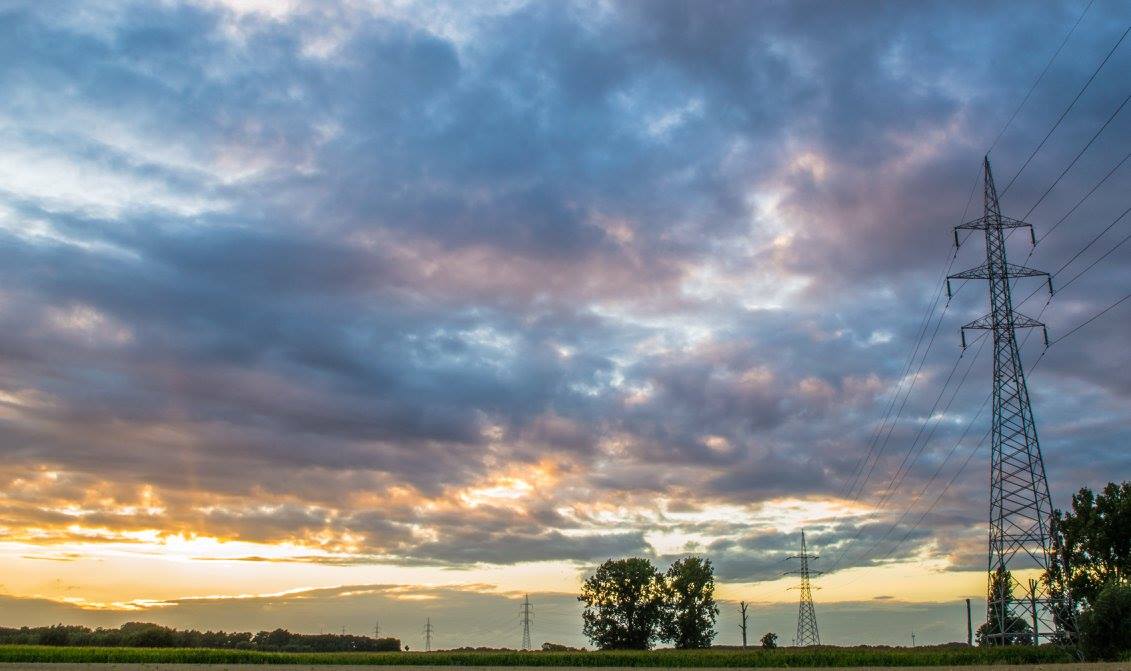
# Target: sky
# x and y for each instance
(314, 315)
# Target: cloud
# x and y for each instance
(522, 283)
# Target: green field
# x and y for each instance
(827, 656)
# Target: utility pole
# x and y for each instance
(912, 639)
(743, 605)
(527, 616)
(428, 631)
(807, 633)
(1020, 506)
(969, 625)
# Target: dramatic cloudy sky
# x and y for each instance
(317, 313)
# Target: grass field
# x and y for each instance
(826, 656)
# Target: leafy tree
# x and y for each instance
(770, 640)
(1105, 628)
(691, 609)
(1092, 544)
(1016, 630)
(624, 604)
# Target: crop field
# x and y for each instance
(824, 656)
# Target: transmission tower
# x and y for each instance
(428, 631)
(807, 633)
(1020, 506)
(527, 618)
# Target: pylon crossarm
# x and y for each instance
(984, 272)
(985, 323)
(991, 221)
(1020, 321)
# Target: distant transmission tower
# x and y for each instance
(807, 633)
(428, 631)
(527, 617)
(1020, 506)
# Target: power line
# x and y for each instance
(892, 483)
(903, 404)
(981, 442)
(903, 376)
(897, 482)
(1078, 253)
(1086, 197)
(1078, 155)
(950, 454)
(1100, 258)
(927, 316)
(1065, 112)
(1036, 240)
(1091, 319)
(924, 325)
(1041, 76)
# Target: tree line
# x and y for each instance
(630, 604)
(149, 635)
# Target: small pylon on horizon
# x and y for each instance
(527, 618)
(807, 632)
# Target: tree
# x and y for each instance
(691, 610)
(1014, 630)
(624, 604)
(770, 640)
(1105, 628)
(1092, 544)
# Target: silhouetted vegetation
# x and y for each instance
(770, 640)
(691, 610)
(1092, 566)
(1105, 628)
(148, 635)
(624, 604)
(558, 647)
(1093, 543)
(629, 604)
(814, 656)
(1013, 630)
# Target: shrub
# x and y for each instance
(1105, 628)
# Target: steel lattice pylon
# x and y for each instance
(527, 616)
(807, 633)
(1020, 506)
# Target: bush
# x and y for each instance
(1105, 628)
(558, 647)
